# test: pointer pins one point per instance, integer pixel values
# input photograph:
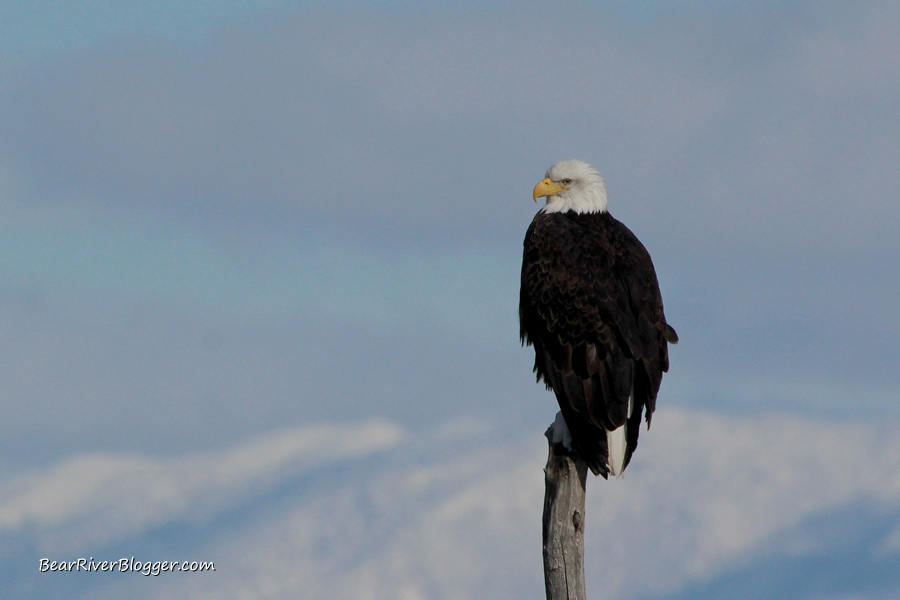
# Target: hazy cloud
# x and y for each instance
(93, 500)
(706, 497)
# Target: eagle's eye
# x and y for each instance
(566, 181)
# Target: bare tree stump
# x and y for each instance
(563, 524)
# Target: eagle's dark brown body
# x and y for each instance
(590, 305)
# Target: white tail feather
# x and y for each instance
(617, 444)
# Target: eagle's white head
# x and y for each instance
(572, 185)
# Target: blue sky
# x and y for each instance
(221, 219)
(35, 29)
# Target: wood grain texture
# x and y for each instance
(563, 523)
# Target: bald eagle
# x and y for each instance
(590, 305)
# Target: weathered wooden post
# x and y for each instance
(563, 524)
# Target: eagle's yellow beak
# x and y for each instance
(546, 187)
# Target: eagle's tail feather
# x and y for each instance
(617, 442)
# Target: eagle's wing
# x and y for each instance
(590, 305)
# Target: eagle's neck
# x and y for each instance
(582, 200)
